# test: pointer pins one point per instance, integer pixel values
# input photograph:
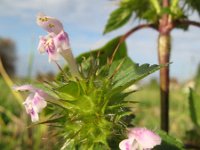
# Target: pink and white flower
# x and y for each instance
(140, 139)
(35, 101)
(56, 41)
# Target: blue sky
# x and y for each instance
(84, 20)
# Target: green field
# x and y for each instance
(147, 111)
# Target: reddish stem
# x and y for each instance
(127, 34)
(187, 22)
(165, 27)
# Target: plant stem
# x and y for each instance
(187, 22)
(130, 32)
(164, 46)
(164, 58)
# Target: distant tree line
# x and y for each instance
(8, 55)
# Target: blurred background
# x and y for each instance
(84, 20)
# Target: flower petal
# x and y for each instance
(28, 103)
(61, 41)
(30, 109)
(146, 138)
(136, 146)
(126, 144)
(26, 87)
(38, 102)
(42, 93)
(41, 45)
(49, 24)
(51, 50)
(34, 115)
(35, 101)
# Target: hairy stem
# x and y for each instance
(164, 58)
(141, 26)
(164, 47)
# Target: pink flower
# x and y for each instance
(35, 101)
(140, 139)
(50, 24)
(56, 41)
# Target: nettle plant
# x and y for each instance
(86, 105)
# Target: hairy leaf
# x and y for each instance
(129, 73)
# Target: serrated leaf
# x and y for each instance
(118, 18)
(168, 142)
(129, 73)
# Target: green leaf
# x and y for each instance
(168, 142)
(118, 99)
(69, 91)
(166, 10)
(129, 73)
(138, 8)
(118, 18)
(49, 121)
(174, 5)
(193, 5)
(156, 5)
(197, 78)
(194, 105)
(86, 104)
(106, 52)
